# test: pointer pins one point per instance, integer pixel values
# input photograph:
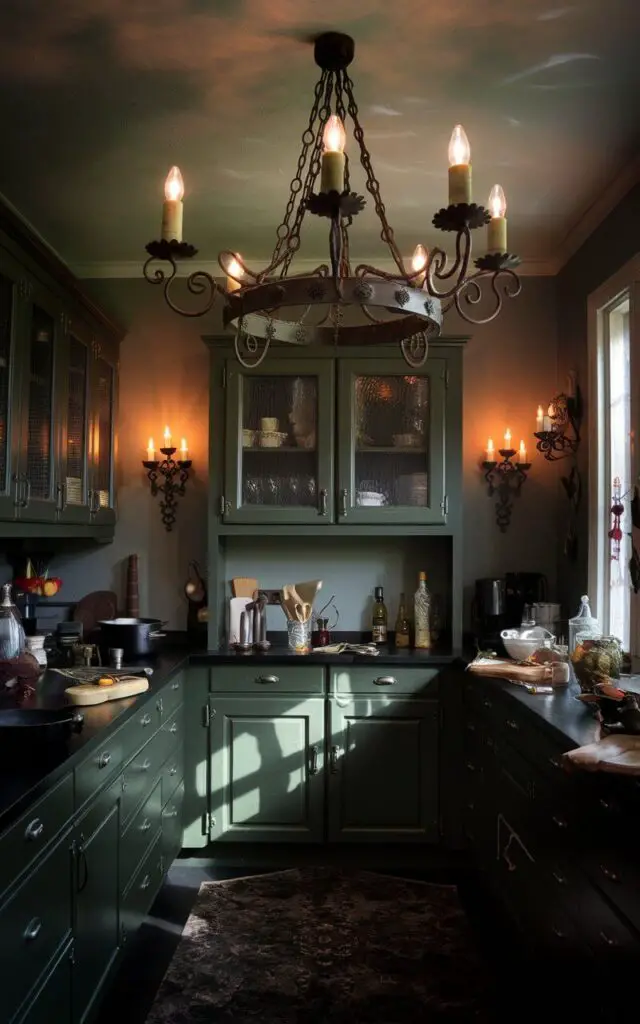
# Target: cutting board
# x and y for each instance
(511, 670)
(90, 693)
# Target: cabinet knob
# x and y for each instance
(613, 876)
(145, 766)
(104, 759)
(560, 822)
(145, 826)
(487, 703)
(558, 932)
(146, 882)
(171, 812)
(385, 681)
(267, 679)
(560, 879)
(607, 938)
(175, 686)
(159, 706)
(173, 728)
(34, 829)
(32, 930)
(513, 725)
(470, 767)
(173, 769)
(145, 720)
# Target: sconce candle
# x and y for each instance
(491, 452)
(183, 450)
(168, 475)
(459, 167)
(507, 438)
(167, 438)
(172, 206)
(151, 452)
(522, 452)
(333, 161)
(539, 418)
(546, 420)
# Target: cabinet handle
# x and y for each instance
(470, 767)
(513, 725)
(487, 703)
(145, 826)
(385, 681)
(32, 930)
(344, 494)
(323, 502)
(104, 759)
(558, 932)
(159, 706)
(613, 876)
(62, 497)
(313, 761)
(560, 822)
(34, 829)
(267, 679)
(145, 766)
(145, 720)
(172, 813)
(560, 879)
(146, 882)
(82, 866)
(605, 804)
(173, 769)
(607, 938)
(471, 727)
(174, 728)
(333, 760)
(175, 686)
(553, 761)
(27, 488)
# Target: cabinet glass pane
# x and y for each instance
(6, 316)
(279, 436)
(392, 440)
(39, 457)
(76, 421)
(102, 439)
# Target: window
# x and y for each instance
(613, 469)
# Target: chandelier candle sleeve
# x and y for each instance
(459, 167)
(419, 263)
(234, 271)
(333, 160)
(497, 226)
(172, 206)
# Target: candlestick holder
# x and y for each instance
(563, 436)
(505, 479)
(168, 478)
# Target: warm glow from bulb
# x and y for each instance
(497, 203)
(507, 438)
(167, 437)
(234, 269)
(174, 185)
(334, 136)
(540, 413)
(459, 148)
(151, 445)
(184, 451)
(419, 258)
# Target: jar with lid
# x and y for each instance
(11, 631)
(583, 622)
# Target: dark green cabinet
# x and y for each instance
(283, 474)
(53, 1001)
(96, 915)
(10, 398)
(267, 768)
(73, 485)
(383, 770)
(102, 454)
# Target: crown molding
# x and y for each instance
(129, 269)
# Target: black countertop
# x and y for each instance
(21, 784)
(282, 655)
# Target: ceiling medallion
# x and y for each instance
(256, 302)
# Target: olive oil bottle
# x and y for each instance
(402, 625)
(379, 618)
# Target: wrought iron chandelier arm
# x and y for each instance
(437, 262)
(159, 275)
(471, 292)
(200, 282)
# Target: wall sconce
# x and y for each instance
(173, 474)
(505, 477)
(558, 432)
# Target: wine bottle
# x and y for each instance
(422, 608)
(379, 618)
(402, 625)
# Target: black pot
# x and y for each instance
(36, 736)
(136, 637)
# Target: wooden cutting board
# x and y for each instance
(243, 586)
(511, 670)
(90, 693)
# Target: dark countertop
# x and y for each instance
(282, 655)
(21, 785)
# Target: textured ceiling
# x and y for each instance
(98, 98)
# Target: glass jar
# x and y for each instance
(11, 631)
(581, 622)
(596, 659)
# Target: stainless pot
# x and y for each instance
(136, 637)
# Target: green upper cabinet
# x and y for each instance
(10, 313)
(279, 442)
(391, 442)
(73, 485)
(103, 400)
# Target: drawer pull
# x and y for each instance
(175, 686)
(385, 681)
(470, 767)
(172, 813)
(145, 826)
(313, 761)
(32, 930)
(560, 822)
(104, 759)
(159, 706)
(613, 876)
(146, 882)
(34, 829)
(490, 742)
(174, 728)
(513, 725)
(607, 938)
(145, 766)
(333, 760)
(605, 804)
(145, 721)
(471, 807)
(267, 679)
(471, 727)
(487, 703)
(173, 769)
(558, 932)
(553, 761)
(560, 879)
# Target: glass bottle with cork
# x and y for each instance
(422, 609)
(379, 618)
(403, 631)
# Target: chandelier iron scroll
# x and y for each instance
(405, 305)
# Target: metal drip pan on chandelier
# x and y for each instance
(405, 306)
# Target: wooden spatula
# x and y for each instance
(243, 586)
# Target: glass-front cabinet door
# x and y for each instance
(9, 396)
(391, 442)
(36, 482)
(73, 485)
(102, 436)
(279, 442)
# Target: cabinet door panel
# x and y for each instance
(102, 439)
(55, 993)
(266, 768)
(391, 426)
(74, 443)
(283, 474)
(383, 770)
(10, 394)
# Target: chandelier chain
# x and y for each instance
(346, 222)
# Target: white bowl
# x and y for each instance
(370, 499)
(522, 643)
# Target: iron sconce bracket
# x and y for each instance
(563, 438)
(505, 479)
(168, 478)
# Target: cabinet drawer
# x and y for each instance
(268, 679)
(142, 891)
(140, 775)
(142, 829)
(172, 695)
(34, 923)
(384, 679)
(172, 825)
(172, 734)
(172, 772)
(100, 767)
(54, 992)
(142, 725)
(25, 840)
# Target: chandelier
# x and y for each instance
(404, 306)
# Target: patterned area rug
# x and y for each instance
(321, 945)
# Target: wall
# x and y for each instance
(607, 249)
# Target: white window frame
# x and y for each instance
(625, 283)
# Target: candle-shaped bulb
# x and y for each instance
(184, 451)
(419, 258)
(522, 454)
(334, 135)
(174, 185)
(507, 438)
(167, 437)
(539, 417)
(459, 148)
(233, 268)
(497, 203)
(151, 451)
(491, 452)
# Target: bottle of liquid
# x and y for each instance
(379, 618)
(11, 631)
(402, 625)
(422, 609)
(583, 622)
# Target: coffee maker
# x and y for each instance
(499, 602)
